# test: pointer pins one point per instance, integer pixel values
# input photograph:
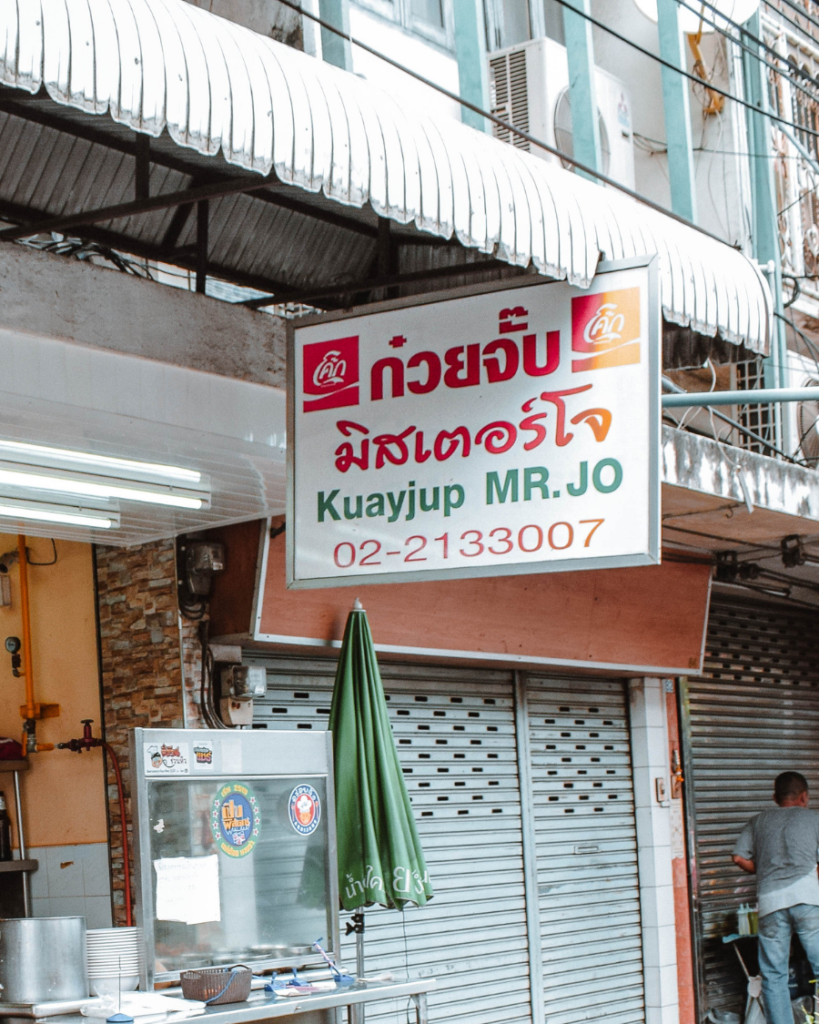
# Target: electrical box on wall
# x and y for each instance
(530, 90)
(239, 684)
(236, 712)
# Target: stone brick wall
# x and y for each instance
(191, 671)
(142, 679)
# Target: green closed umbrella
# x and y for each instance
(380, 859)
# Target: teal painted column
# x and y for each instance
(677, 113)
(585, 123)
(334, 49)
(764, 220)
(470, 49)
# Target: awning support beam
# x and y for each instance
(232, 186)
(29, 110)
(184, 257)
(356, 287)
(142, 171)
(202, 218)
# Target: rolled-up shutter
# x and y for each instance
(455, 732)
(753, 714)
(589, 893)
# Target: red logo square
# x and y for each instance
(606, 329)
(330, 370)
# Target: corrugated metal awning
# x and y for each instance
(157, 66)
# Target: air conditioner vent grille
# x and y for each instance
(510, 96)
(520, 96)
(500, 96)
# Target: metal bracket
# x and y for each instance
(356, 925)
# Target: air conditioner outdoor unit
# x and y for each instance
(530, 90)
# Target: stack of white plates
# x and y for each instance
(114, 959)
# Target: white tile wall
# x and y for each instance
(72, 880)
(649, 751)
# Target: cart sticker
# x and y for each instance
(305, 809)
(203, 755)
(235, 819)
(166, 759)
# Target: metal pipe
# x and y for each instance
(28, 669)
(756, 397)
(359, 1012)
(31, 710)
(126, 854)
(21, 842)
(733, 423)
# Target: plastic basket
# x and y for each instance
(216, 985)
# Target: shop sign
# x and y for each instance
(514, 431)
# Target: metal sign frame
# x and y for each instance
(652, 334)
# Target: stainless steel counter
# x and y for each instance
(262, 1006)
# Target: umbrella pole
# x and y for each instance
(359, 950)
(359, 967)
(359, 963)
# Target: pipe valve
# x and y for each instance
(85, 742)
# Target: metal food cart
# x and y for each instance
(236, 862)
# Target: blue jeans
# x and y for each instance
(775, 932)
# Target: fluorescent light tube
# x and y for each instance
(91, 486)
(41, 512)
(17, 450)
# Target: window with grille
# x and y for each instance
(758, 418)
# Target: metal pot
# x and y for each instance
(42, 958)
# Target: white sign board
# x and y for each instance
(514, 431)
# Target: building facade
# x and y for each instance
(570, 741)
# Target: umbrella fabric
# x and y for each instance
(380, 859)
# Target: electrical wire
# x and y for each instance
(749, 50)
(203, 701)
(672, 386)
(802, 14)
(53, 560)
(798, 199)
(208, 708)
(812, 348)
(590, 171)
(680, 71)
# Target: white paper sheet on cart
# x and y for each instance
(143, 1007)
(187, 889)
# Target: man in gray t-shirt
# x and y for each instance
(781, 846)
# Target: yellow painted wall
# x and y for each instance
(63, 794)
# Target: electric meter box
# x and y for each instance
(235, 849)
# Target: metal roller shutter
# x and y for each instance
(586, 850)
(455, 731)
(755, 713)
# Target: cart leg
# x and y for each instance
(421, 1015)
(358, 1011)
